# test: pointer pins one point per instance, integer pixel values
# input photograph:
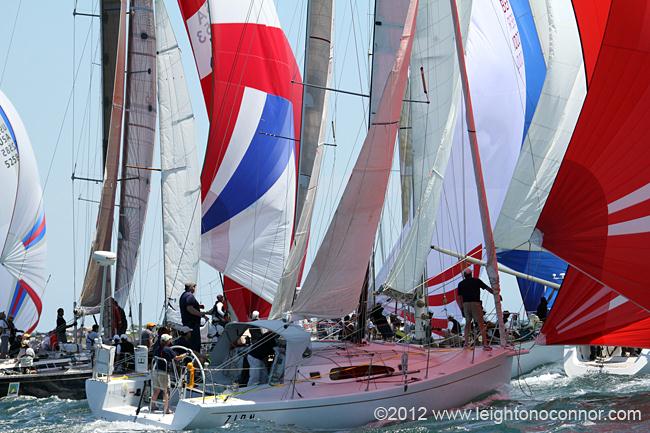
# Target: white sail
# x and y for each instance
(319, 70)
(558, 109)
(22, 223)
(335, 280)
(432, 129)
(181, 190)
(138, 144)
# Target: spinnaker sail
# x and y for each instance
(254, 101)
(22, 223)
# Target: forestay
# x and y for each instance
(22, 223)
(180, 183)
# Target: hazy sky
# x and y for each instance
(49, 44)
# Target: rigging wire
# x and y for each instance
(11, 40)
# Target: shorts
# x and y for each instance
(473, 310)
(159, 380)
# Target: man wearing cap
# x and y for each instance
(146, 338)
(160, 374)
(469, 300)
(185, 337)
(191, 315)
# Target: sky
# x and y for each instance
(39, 57)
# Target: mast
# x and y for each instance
(91, 296)
(492, 265)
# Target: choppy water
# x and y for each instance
(544, 389)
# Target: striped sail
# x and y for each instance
(249, 172)
(22, 223)
(596, 216)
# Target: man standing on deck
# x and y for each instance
(61, 327)
(469, 300)
(191, 315)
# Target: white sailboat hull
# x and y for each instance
(577, 363)
(461, 377)
(531, 355)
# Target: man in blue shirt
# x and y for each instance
(191, 315)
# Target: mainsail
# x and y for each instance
(111, 23)
(597, 216)
(318, 71)
(90, 298)
(336, 278)
(22, 223)
(180, 183)
(138, 144)
(254, 101)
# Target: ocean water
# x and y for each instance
(544, 389)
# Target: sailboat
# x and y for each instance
(308, 379)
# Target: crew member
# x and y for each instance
(469, 300)
(191, 315)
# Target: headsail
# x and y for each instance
(90, 298)
(336, 278)
(433, 64)
(318, 71)
(254, 102)
(22, 223)
(180, 183)
(138, 144)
